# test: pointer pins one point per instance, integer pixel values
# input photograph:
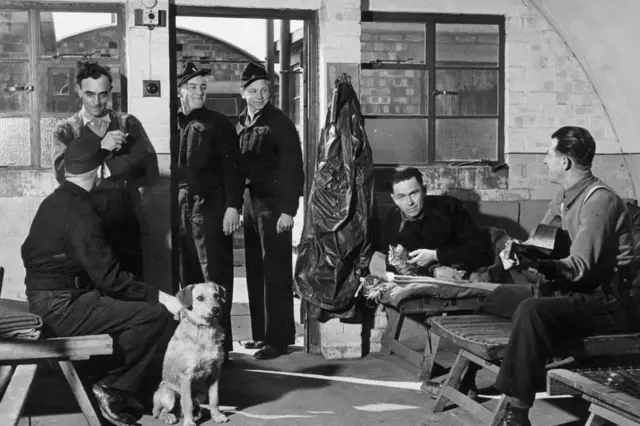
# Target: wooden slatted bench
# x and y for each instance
(420, 310)
(19, 363)
(618, 403)
(483, 339)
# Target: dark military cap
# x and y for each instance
(253, 72)
(83, 155)
(188, 71)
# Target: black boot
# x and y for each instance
(513, 416)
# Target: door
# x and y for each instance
(41, 49)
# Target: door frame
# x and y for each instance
(311, 109)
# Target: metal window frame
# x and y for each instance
(430, 66)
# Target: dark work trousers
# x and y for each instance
(540, 324)
(135, 327)
(269, 274)
(206, 254)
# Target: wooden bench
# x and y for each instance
(483, 339)
(608, 402)
(420, 310)
(19, 361)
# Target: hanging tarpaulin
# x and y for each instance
(336, 243)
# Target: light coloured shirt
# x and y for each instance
(99, 126)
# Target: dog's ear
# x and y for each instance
(185, 296)
(222, 292)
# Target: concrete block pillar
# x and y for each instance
(148, 59)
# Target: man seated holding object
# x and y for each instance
(585, 293)
(75, 283)
(430, 231)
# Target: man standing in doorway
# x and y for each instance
(210, 185)
(122, 137)
(272, 157)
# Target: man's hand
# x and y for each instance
(170, 302)
(285, 223)
(113, 140)
(423, 257)
(231, 221)
(521, 262)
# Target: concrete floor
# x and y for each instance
(306, 390)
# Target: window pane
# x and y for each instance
(466, 139)
(397, 140)
(47, 126)
(390, 41)
(79, 33)
(466, 92)
(15, 141)
(14, 34)
(227, 106)
(392, 92)
(58, 88)
(14, 74)
(467, 45)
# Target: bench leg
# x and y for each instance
(499, 411)
(392, 332)
(453, 380)
(451, 390)
(80, 393)
(430, 353)
(16, 394)
(595, 420)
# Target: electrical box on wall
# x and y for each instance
(150, 17)
(151, 88)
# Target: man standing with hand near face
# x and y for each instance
(124, 142)
(210, 186)
(272, 157)
(121, 135)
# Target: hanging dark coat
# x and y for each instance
(336, 243)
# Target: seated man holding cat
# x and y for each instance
(435, 230)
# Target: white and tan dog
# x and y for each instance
(194, 357)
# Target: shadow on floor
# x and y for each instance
(243, 388)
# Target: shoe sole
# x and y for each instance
(114, 421)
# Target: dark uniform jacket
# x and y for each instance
(602, 253)
(120, 227)
(272, 158)
(444, 226)
(66, 240)
(208, 163)
(125, 165)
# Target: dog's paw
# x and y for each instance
(168, 418)
(219, 418)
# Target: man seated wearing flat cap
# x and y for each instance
(77, 286)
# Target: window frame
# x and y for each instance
(430, 67)
(36, 60)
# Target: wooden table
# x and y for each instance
(607, 403)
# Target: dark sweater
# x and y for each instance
(444, 226)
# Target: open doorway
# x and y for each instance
(224, 41)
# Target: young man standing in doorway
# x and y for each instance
(272, 157)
